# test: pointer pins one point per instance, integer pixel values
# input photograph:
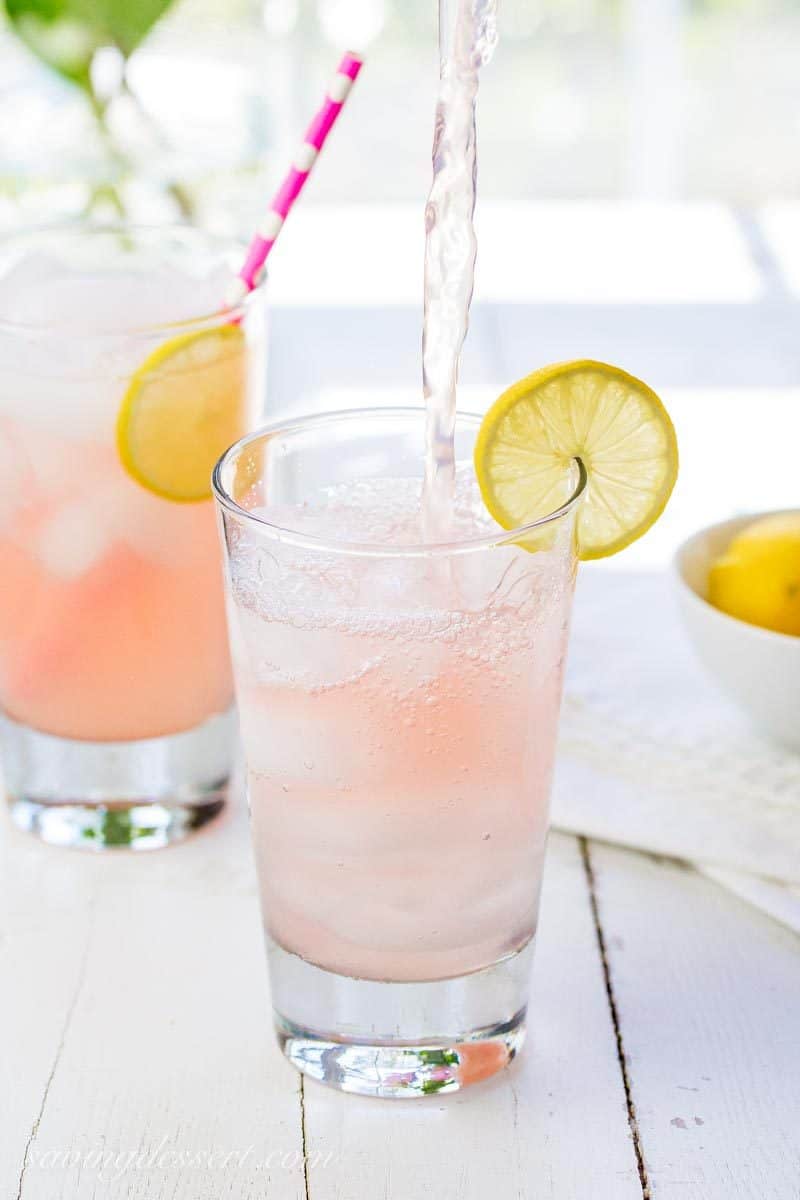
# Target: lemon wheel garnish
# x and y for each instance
(184, 406)
(612, 422)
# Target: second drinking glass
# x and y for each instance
(121, 381)
(399, 703)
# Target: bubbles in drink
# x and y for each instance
(355, 608)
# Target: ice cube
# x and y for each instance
(286, 741)
(44, 291)
(75, 538)
(85, 527)
(67, 357)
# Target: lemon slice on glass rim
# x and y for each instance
(613, 423)
(184, 407)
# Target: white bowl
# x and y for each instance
(758, 668)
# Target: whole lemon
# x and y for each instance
(757, 579)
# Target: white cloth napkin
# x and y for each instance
(653, 756)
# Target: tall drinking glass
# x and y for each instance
(399, 703)
(115, 685)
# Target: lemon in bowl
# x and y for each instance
(736, 588)
(757, 578)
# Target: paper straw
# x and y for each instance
(294, 182)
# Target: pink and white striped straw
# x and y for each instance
(294, 182)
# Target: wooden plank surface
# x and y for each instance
(553, 1126)
(138, 1043)
(44, 932)
(706, 990)
(137, 1027)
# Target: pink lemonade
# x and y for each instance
(399, 730)
(400, 815)
(111, 614)
(398, 701)
(115, 681)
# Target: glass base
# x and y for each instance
(399, 1040)
(141, 795)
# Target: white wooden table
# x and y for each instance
(136, 1055)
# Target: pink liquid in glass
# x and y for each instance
(399, 735)
(112, 619)
(111, 610)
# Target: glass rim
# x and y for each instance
(328, 545)
(89, 228)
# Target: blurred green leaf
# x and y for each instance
(66, 33)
